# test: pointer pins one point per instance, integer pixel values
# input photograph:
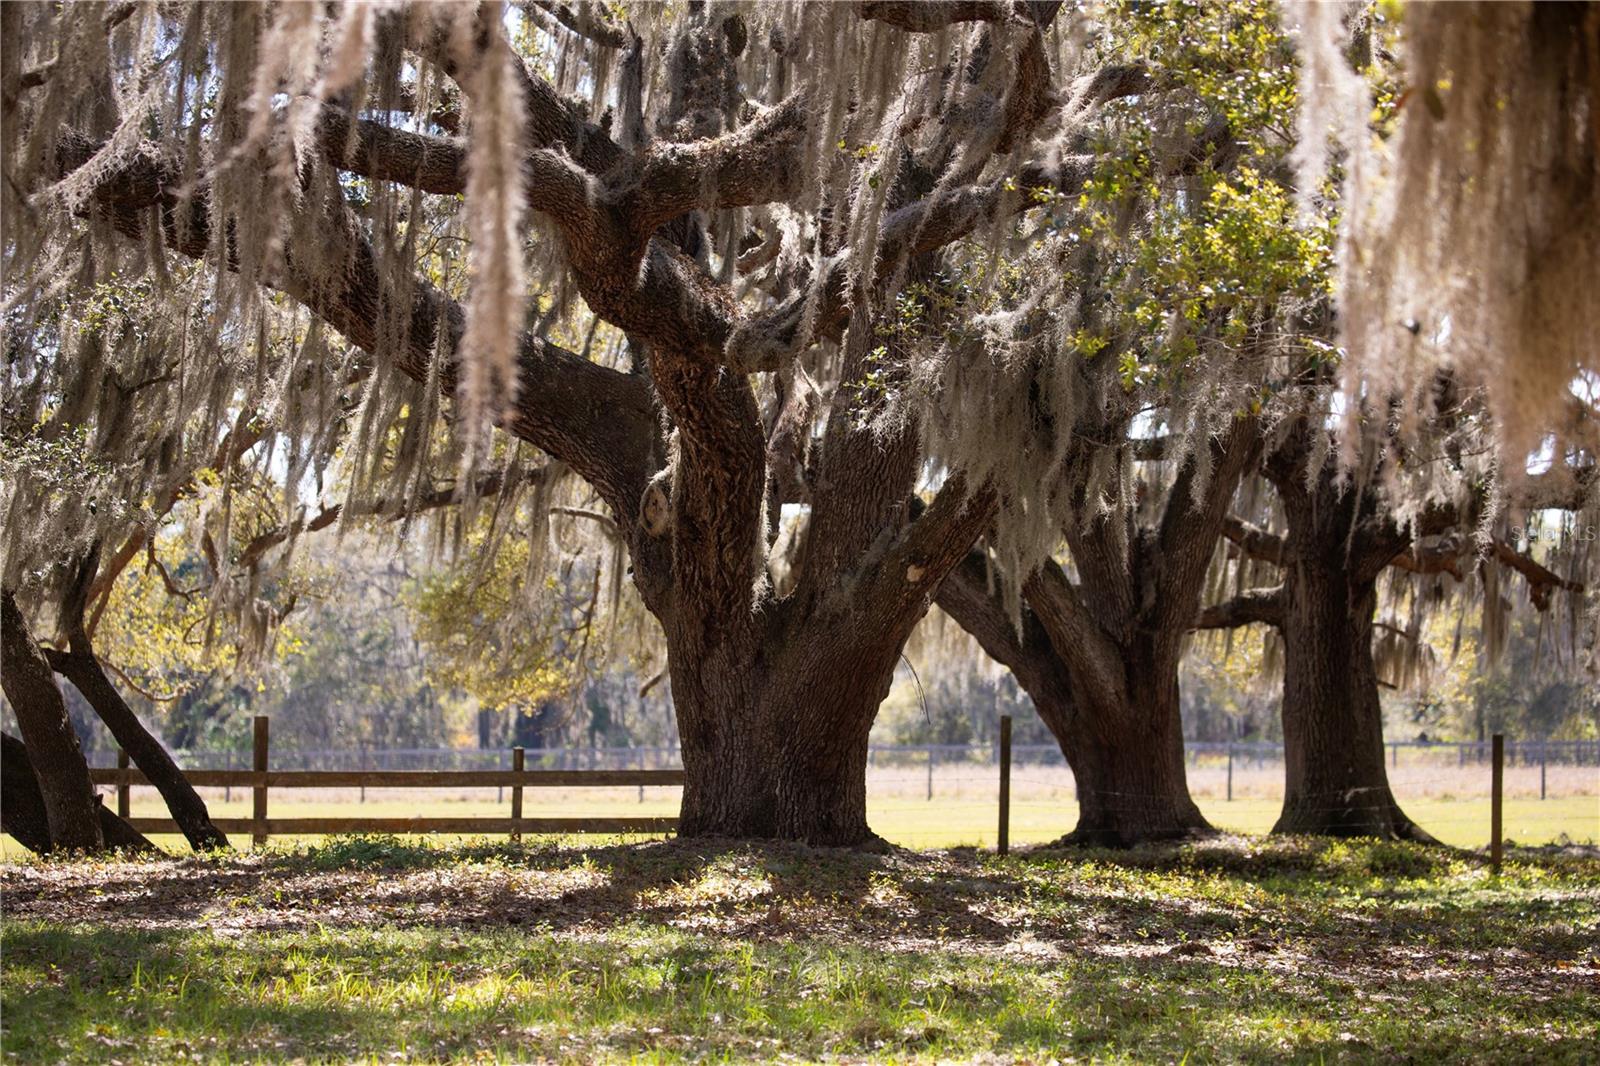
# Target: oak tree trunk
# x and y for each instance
(1120, 731)
(1336, 783)
(1126, 753)
(71, 810)
(83, 669)
(22, 812)
(775, 741)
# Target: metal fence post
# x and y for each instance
(1230, 771)
(1544, 759)
(258, 813)
(122, 785)
(1005, 785)
(1497, 799)
(930, 771)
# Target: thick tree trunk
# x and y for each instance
(22, 812)
(775, 744)
(71, 809)
(1120, 729)
(1336, 783)
(83, 669)
(1126, 754)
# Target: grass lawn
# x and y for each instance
(381, 949)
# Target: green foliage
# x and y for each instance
(498, 632)
(1193, 254)
(1536, 691)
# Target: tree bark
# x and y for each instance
(1121, 732)
(775, 709)
(22, 811)
(70, 806)
(1336, 782)
(1127, 759)
(83, 669)
(81, 666)
(775, 745)
(1099, 655)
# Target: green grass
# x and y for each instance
(385, 949)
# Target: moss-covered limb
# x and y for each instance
(597, 420)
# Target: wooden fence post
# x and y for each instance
(517, 762)
(258, 813)
(1496, 809)
(122, 785)
(930, 771)
(1005, 784)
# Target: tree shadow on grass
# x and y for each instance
(596, 998)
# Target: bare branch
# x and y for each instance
(1541, 580)
(1256, 542)
(585, 18)
(1257, 605)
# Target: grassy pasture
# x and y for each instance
(381, 950)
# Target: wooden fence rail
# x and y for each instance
(261, 780)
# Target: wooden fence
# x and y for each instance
(260, 780)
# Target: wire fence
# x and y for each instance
(1244, 755)
(941, 795)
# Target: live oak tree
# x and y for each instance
(740, 194)
(1338, 539)
(1194, 314)
(1344, 549)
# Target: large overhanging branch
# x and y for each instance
(599, 421)
(608, 202)
(373, 150)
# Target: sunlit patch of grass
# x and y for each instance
(1218, 951)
